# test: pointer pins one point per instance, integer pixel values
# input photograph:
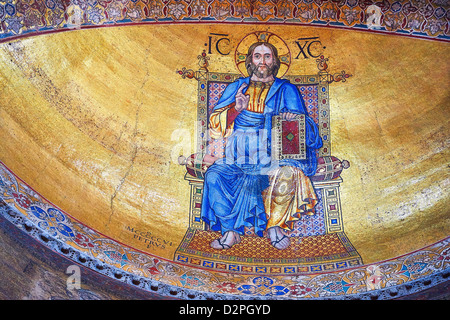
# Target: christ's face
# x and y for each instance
(263, 62)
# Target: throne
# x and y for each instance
(325, 224)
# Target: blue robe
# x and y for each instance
(233, 186)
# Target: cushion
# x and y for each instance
(328, 167)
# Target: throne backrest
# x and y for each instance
(315, 92)
(313, 88)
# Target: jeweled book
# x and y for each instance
(288, 138)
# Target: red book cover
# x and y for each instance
(288, 138)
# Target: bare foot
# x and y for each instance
(229, 239)
(278, 239)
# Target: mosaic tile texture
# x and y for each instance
(51, 226)
(417, 18)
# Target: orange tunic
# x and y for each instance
(257, 92)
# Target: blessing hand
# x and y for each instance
(241, 99)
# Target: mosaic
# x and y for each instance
(318, 242)
(323, 263)
(254, 254)
(417, 18)
(54, 228)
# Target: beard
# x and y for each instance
(261, 71)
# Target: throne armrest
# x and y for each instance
(328, 167)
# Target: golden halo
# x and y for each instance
(262, 36)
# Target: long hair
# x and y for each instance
(249, 62)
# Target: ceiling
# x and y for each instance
(96, 111)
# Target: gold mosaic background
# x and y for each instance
(93, 120)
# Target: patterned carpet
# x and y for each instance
(260, 248)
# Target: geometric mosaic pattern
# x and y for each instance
(255, 254)
(215, 147)
(310, 96)
(413, 18)
(258, 247)
(104, 255)
(215, 90)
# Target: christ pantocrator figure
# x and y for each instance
(247, 188)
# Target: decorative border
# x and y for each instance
(196, 185)
(57, 230)
(276, 266)
(332, 206)
(415, 18)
